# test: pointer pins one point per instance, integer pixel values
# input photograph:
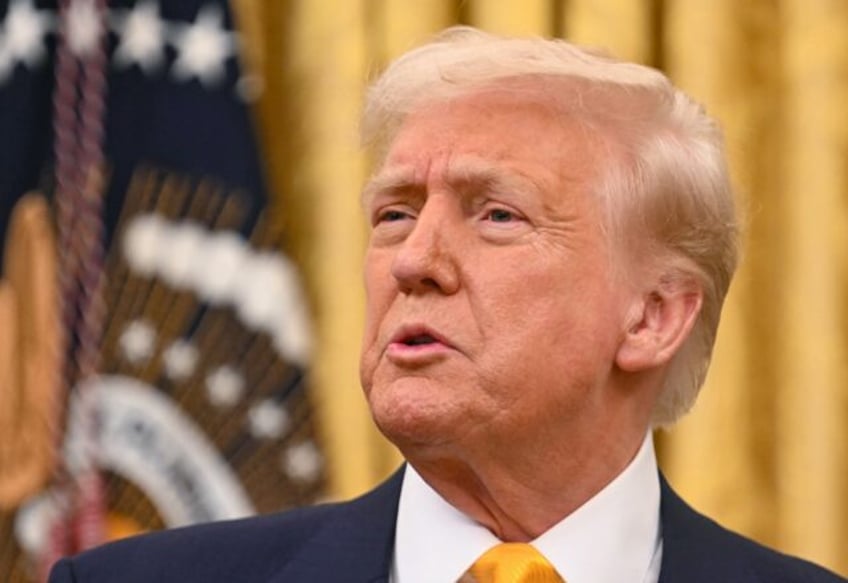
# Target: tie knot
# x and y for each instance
(513, 563)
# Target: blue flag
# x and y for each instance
(198, 409)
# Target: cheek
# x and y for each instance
(548, 321)
(370, 350)
(380, 290)
(522, 298)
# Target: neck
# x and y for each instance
(519, 497)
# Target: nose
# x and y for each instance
(427, 259)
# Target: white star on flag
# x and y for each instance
(302, 462)
(224, 386)
(24, 32)
(84, 27)
(203, 47)
(142, 35)
(137, 341)
(180, 360)
(268, 420)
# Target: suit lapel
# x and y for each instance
(354, 544)
(695, 549)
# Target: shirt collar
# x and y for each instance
(610, 538)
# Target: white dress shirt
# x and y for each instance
(613, 538)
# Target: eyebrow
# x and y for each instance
(388, 180)
(467, 171)
(491, 176)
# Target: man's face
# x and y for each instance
(492, 313)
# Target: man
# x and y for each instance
(553, 234)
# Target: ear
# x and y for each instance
(662, 321)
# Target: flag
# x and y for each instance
(158, 341)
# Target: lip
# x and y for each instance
(401, 353)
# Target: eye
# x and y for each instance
(500, 216)
(391, 215)
(502, 223)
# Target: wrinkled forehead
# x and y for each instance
(505, 142)
(523, 124)
(605, 110)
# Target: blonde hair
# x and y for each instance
(666, 182)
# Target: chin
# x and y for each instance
(408, 418)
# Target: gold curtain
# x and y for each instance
(766, 449)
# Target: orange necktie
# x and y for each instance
(513, 563)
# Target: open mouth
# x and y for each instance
(416, 344)
(419, 340)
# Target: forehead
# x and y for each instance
(509, 131)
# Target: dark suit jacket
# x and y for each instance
(352, 543)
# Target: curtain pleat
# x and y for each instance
(404, 24)
(624, 27)
(521, 17)
(812, 414)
